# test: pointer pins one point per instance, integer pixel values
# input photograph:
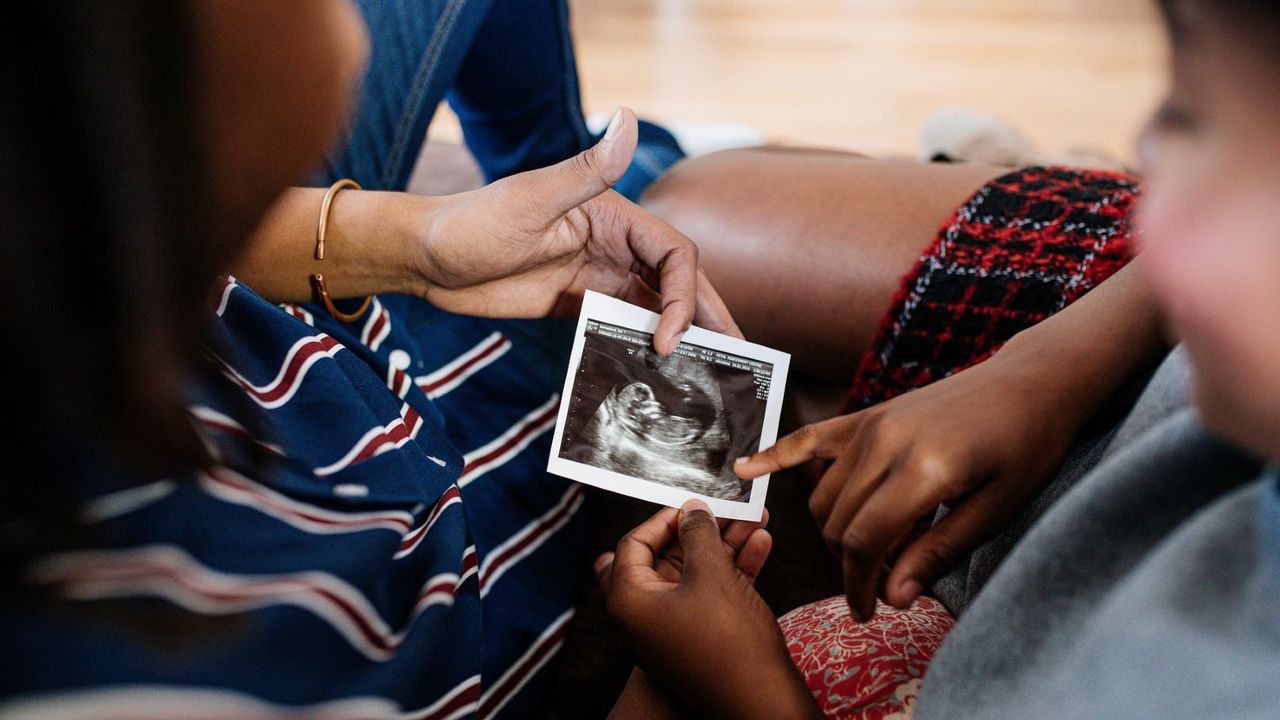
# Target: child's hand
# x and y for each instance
(984, 442)
(694, 619)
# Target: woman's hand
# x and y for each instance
(530, 245)
(695, 621)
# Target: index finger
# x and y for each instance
(734, 533)
(666, 250)
(819, 440)
(678, 288)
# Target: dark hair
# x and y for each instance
(1257, 21)
(105, 262)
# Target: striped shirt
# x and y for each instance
(404, 555)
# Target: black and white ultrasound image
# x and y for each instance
(680, 420)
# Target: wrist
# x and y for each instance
(772, 689)
(447, 256)
(374, 240)
(416, 221)
(641, 699)
(1051, 374)
(373, 244)
(1094, 345)
(790, 698)
(1069, 368)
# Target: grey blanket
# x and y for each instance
(1150, 588)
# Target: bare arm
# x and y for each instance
(374, 244)
(642, 700)
(1092, 347)
(528, 245)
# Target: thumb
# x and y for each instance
(566, 185)
(700, 539)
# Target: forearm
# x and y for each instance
(773, 697)
(1093, 346)
(373, 244)
(642, 700)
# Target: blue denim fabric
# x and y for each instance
(507, 69)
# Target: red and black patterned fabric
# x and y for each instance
(1026, 245)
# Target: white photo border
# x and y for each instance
(605, 309)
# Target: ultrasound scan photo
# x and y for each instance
(679, 421)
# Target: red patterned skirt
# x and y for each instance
(1026, 245)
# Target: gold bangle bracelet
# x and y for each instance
(318, 287)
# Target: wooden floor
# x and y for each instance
(863, 74)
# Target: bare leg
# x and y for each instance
(808, 247)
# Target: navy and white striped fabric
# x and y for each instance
(405, 555)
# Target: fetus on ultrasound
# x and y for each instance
(664, 421)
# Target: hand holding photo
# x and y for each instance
(666, 429)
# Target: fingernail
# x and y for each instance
(614, 123)
(910, 590)
(601, 562)
(741, 461)
(692, 506)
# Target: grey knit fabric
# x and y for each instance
(1150, 588)
(1164, 394)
